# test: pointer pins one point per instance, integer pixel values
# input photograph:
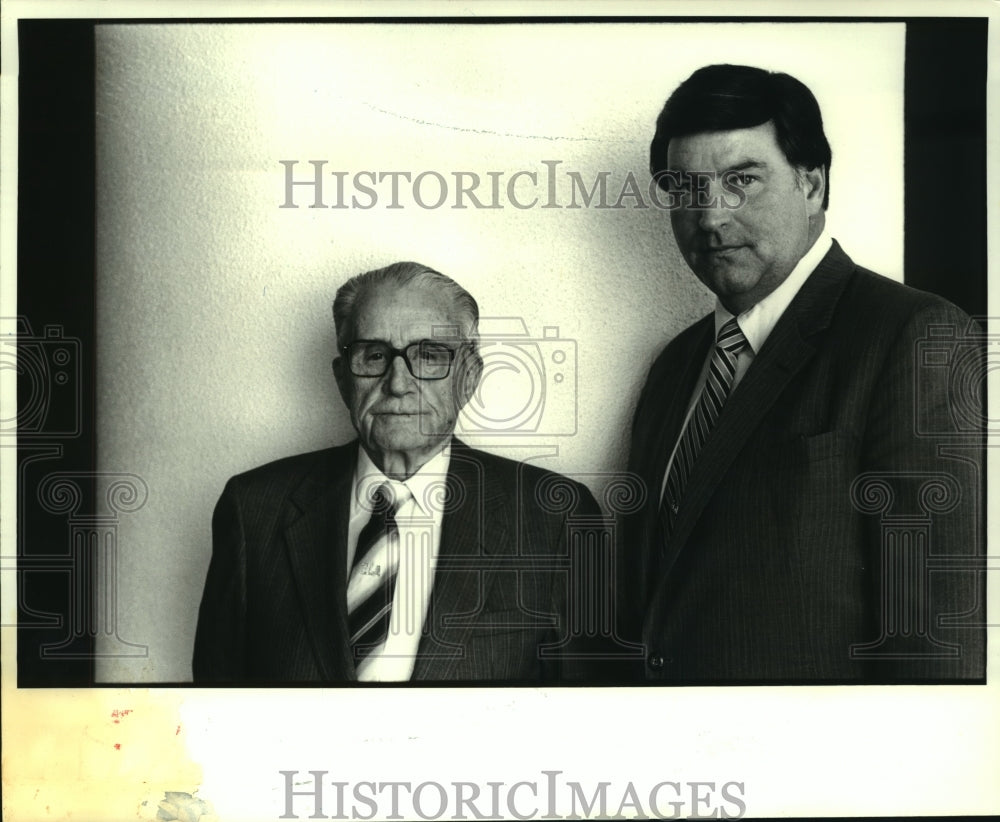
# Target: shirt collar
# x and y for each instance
(758, 321)
(422, 485)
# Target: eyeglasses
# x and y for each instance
(425, 359)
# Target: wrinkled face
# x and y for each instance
(402, 421)
(744, 253)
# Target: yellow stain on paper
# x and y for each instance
(99, 755)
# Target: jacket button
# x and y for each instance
(655, 661)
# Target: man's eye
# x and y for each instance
(434, 353)
(374, 355)
(677, 182)
(741, 179)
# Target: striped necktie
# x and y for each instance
(713, 396)
(372, 582)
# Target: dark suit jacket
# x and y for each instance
(842, 457)
(274, 606)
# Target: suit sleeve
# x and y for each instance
(924, 459)
(586, 595)
(637, 551)
(633, 571)
(220, 650)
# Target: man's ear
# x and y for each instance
(813, 182)
(342, 377)
(471, 373)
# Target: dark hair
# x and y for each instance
(399, 275)
(725, 97)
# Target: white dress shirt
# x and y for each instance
(756, 323)
(419, 522)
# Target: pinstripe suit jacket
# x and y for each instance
(776, 569)
(274, 607)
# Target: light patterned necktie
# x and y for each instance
(713, 396)
(372, 583)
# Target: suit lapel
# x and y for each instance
(791, 344)
(473, 533)
(316, 539)
(694, 355)
(651, 461)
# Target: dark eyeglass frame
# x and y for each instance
(392, 353)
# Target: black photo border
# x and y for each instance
(945, 245)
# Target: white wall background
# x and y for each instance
(214, 326)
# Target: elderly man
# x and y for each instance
(817, 509)
(404, 555)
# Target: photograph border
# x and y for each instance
(54, 147)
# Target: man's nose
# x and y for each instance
(714, 213)
(398, 380)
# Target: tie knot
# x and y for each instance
(731, 338)
(388, 497)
